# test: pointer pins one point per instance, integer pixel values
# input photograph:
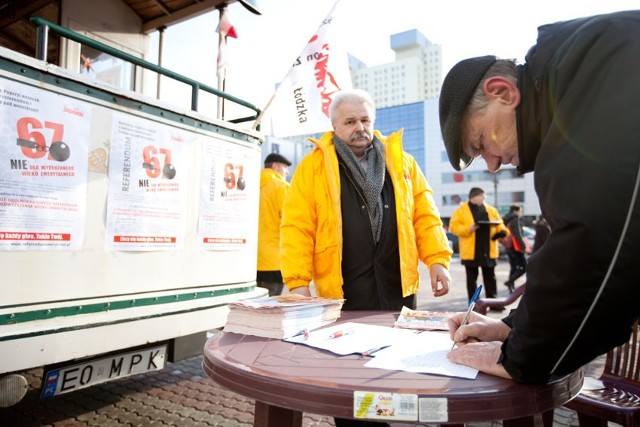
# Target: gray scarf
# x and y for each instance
(369, 181)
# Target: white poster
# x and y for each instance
(230, 176)
(147, 202)
(43, 169)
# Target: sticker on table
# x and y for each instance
(433, 409)
(385, 406)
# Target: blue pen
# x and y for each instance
(472, 304)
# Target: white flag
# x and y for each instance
(225, 29)
(301, 103)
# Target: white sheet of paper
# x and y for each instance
(425, 353)
(356, 338)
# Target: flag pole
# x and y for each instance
(261, 115)
(275, 93)
(221, 74)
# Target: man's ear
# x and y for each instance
(502, 89)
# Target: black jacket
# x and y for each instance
(512, 221)
(579, 131)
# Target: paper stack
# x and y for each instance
(281, 316)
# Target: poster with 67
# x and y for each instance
(43, 169)
(230, 183)
(148, 185)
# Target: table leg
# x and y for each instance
(266, 415)
(537, 420)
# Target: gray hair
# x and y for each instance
(352, 96)
(501, 68)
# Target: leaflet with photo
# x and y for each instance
(423, 320)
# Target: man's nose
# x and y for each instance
(359, 125)
(493, 162)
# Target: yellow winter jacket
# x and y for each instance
(460, 224)
(311, 230)
(273, 190)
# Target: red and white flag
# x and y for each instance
(300, 105)
(226, 30)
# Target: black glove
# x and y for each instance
(499, 235)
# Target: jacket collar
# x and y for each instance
(527, 122)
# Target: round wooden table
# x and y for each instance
(288, 379)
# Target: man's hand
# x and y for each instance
(440, 280)
(482, 356)
(478, 328)
(301, 290)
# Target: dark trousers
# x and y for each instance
(518, 264)
(489, 277)
(275, 288)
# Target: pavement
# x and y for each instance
(182, 395)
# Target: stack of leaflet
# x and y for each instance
(281, 316)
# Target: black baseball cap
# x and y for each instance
(457, 89)
(276, 158)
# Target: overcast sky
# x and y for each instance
(267, 44)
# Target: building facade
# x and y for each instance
(415, 75)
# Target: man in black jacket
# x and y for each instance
(571, 114)
(517, 248)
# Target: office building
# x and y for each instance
(415, 75)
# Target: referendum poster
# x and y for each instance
(148, 179)
(230, 179)
(43, 169)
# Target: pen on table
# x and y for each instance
(373, 350)
(304, 332)
(472, 304)
(339, 334)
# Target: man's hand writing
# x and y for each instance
(482, 356)
(478, 328)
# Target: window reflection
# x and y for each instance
(106, 68)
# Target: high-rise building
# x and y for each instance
(415, 75)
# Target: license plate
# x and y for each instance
(81, 375)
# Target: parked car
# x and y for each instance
(529, 233)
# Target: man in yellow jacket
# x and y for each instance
(273, 190)
(359, 216)
(478, 226)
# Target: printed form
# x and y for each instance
(424, 353)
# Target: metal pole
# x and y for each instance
(195, 88)
(42, 40)
(160, 50)
(221, 75)
(495, 190)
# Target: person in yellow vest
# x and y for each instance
(360, 215)
(478, 227)
(273, 190)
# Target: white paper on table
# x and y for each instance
(426, 353)
(356, 338)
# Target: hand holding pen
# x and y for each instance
(472, 304)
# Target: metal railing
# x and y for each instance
(43, 27)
